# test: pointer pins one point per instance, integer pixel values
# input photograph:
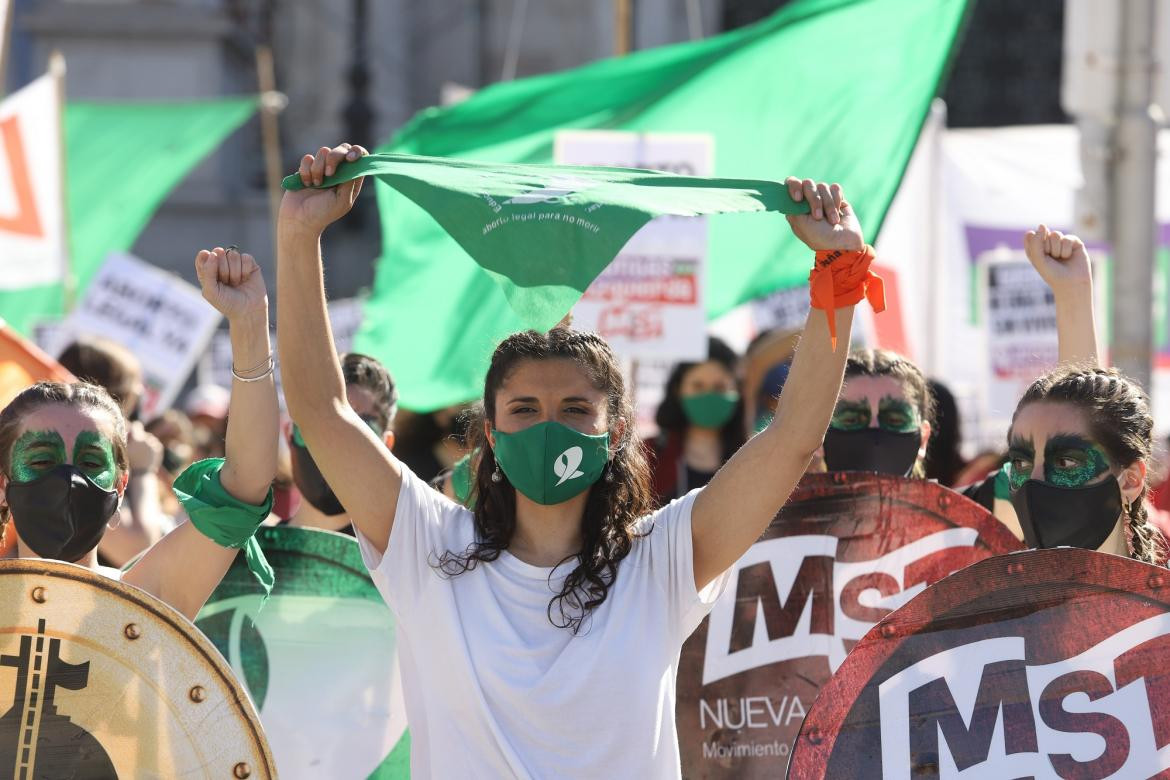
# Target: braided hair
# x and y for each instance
(1118, 414)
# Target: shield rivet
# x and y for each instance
(132, 631)
(814, 736)
(1015, 568)
(839, 478)
(242, 771)
(888, 630)
(197, 694)
(38, 594)
(944, 501)
(1156, 581)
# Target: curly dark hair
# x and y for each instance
(614, 504)
(670, 415)
(1117, 411)
(82, 395)
(885, 362)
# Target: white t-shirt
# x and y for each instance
(493, 689)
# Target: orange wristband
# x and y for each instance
(839, 279)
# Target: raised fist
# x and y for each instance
(1061, 260)
(231, 282)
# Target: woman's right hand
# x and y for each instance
(311, 209)
(1061, 260)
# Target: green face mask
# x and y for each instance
(550, 462)
(710, 410)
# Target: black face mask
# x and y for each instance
(61, 514)
(872, 449)
(1054, 516)
(311, 483)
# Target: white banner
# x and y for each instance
(964, 211)
(32, 244)
(156, 315)
(649, 303)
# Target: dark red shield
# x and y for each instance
(845, 551)
(1046, 663)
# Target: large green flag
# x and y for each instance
(544, 232)
(122, 159)
(835, 90)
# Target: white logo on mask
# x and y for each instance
(565, 466)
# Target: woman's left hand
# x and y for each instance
(231, 282)
(830, 223)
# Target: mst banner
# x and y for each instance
(847, 549)
(1046, 663)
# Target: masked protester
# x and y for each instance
(700, 423)
(1063, 263)
(370, 392)
(1078, 454)
(882, 419)
(64, 463)
(562, 597)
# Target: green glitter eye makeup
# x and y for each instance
(1021, 455)
(897, 415)
(35, 453)
(1072, 461)
(851, 415)
(93, 454)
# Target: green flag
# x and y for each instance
(544, 232)
(122, 159)
(835, 90)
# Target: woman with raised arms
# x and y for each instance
(540, 632)
(64, 467)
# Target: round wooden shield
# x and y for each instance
(101, 680)
(318, 658)
(1046, 663)
(846, 550)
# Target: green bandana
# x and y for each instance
(223, 518)
(550, 462)
(581, 215)
(710, 410)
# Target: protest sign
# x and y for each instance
(846, 550)
(1020, 322)
(215, 364)
(649, 302)
(1045, 663)
(160, 318)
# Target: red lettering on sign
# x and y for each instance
(1144, 661)
(634, 324)
(1112, 730)
(757, 586)
(933, 713)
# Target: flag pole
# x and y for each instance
(271, 104)
(5, 34)
(68, 282)
(621, 26)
